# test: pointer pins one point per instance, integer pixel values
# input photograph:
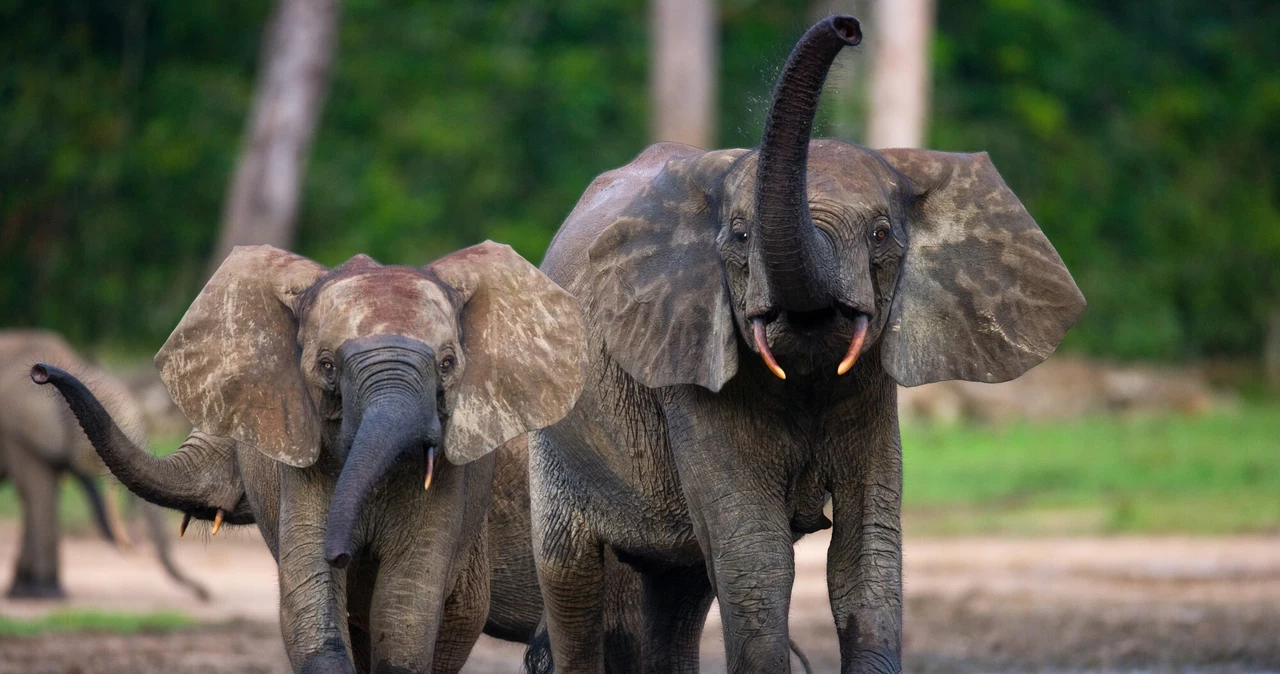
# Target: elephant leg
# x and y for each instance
(623, 619)
(864, 570)
(36, 575)
(313, 597)
(735, 497)
(675, 605)
(465, 610)
(748, 542)
(571, 573)
(361, 576)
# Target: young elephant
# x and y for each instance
(339, 389)
(750, 314)
(39, 442)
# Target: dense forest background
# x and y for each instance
(1142, 136)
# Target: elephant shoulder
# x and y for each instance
(599, 206)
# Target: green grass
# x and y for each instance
(94, 621)
(1213, 474)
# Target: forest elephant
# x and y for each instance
(40, 441)
(326, 401)
(748, 316)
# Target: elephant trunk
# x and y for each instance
(388, 430)
(167, 482)
(797, 257)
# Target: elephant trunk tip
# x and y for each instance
(848, 29)
(40, 373)
(338, 560)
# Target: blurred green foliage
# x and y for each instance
(1142, 136)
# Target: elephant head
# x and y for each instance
(376, 366)
(818, 251)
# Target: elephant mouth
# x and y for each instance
(811, 326)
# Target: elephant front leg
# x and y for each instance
(465, 610)
(864, 571)
(313, 598)
(36, 573)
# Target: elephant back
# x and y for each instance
(40, 420)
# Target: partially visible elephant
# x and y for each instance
(748, 313)
(329, 402)
(40, 441)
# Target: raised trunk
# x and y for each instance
(388, 431)
(174, 481)
(797, 257)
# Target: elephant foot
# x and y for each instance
(34, 589)
(328, 662)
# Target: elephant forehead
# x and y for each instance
(385, 300)
(837, 172)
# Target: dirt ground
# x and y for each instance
(1061, 605)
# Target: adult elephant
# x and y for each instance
(748, 314)
(40, 442)
(332, 398)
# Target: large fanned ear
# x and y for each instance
(523, 347)
(232, 366)
(657, 287)
(981, 295)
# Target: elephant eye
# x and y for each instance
(740, 236)
(326, 366)
(447, 363)
(881, 233)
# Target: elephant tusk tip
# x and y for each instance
(182, 528)
(855, 344)
(762, 345)
(217, 522)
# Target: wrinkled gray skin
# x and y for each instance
(687, 456)
(327, 391)
(40, 441)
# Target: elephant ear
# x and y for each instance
(657, 287)
(522, 341)
(232, 366)
(981, 295)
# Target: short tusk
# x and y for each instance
(431, 468)
(762, 344)
(182, 529)
(217, 522)
(855, 345)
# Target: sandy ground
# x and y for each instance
(1095, 604)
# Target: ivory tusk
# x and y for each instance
(855, 345)
(762, 344)
(182, 528)
(431, 468)
(217, 522)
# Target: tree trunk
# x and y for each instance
(262, 205)
(684, 70)
(899, 37)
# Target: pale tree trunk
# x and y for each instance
(899, 38)
(1271, 351)
(684, 69)
(262, 204)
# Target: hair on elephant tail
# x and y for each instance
(804, 659)
(154, 517)
(537, 657)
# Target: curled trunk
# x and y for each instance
(797, 257)
(177, 481)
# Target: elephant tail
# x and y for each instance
(804, 659)
(537, 657)
(154, 517)
(106, 518)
